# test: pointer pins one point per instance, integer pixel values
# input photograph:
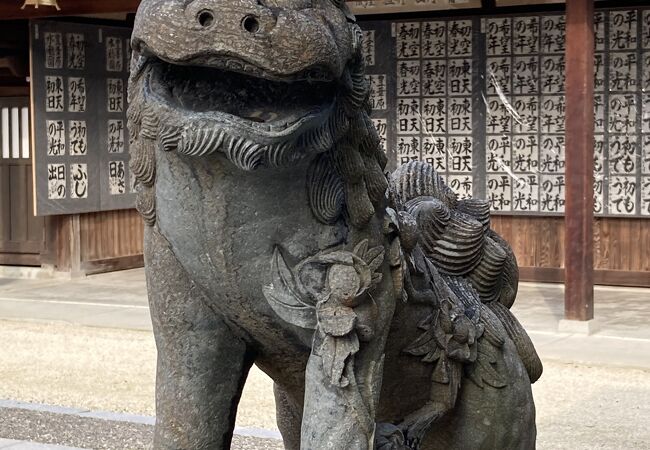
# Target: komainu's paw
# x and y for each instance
(389, 437)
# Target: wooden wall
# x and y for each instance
(21, 234)
(97, 242)
(111, 240)
(111, 234)
(621, 248)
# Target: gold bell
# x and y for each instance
(37, 3)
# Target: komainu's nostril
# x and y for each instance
(250, 24)
(205, 18)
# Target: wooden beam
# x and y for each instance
(112, 264)
(579, 179)
(506, 3)
(16, 65)
(14, 91)
(604, 277)
(11, 9)
(488, 4)
(390, 6)
(20, 259)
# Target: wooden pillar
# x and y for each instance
(579, 179)
(68, 244)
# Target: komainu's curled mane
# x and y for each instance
(379, 304)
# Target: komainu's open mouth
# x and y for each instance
(254, 100)
(253, 117)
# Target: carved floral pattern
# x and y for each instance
(321, 293)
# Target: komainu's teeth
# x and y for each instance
(233, 64)
(279, 126)
(252, 69)
(261, 116)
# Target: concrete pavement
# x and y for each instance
(119, 300)
(112, 300)
(623, 315)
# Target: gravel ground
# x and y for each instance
(94, 368)
(100, 369)
(585, 408)
(578, 407)
(72, 431)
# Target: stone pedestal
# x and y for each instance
(585, 327)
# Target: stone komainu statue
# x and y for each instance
(379, 305)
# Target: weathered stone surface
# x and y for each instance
(274, 238)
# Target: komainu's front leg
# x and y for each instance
(344, 372)
(348, 300)
(202, 365)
